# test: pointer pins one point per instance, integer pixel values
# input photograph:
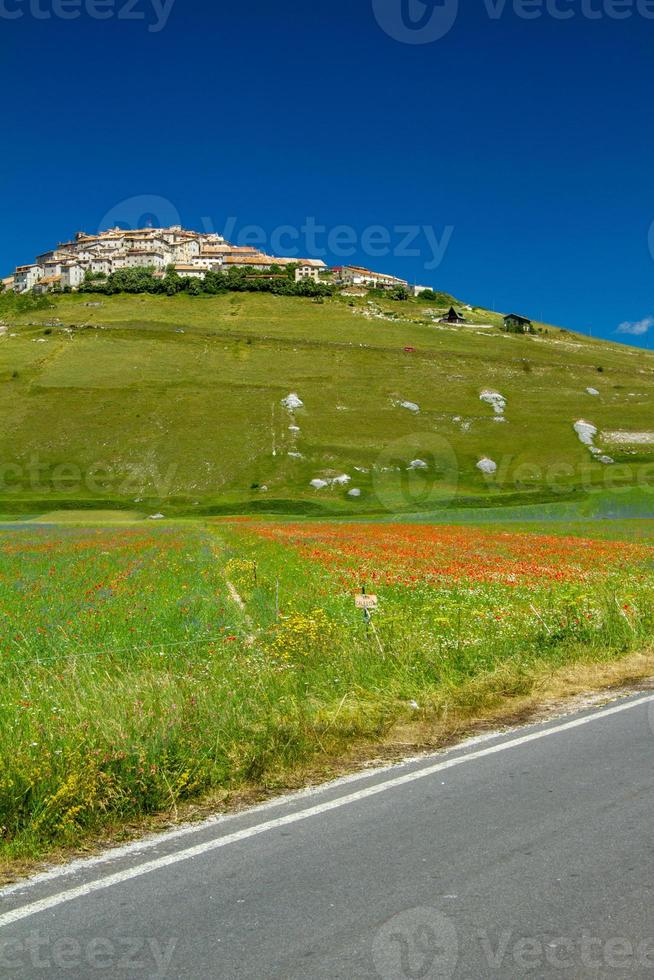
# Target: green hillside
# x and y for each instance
(176, 403)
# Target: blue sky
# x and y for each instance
(508, 161)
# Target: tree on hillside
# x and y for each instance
(172, 282)
(215, 282)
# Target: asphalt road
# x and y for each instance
(528, 854)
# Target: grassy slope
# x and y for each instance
(188, 420)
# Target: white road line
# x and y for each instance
(99, 884)
(135, 848)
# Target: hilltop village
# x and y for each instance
(190, 254)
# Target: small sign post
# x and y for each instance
(365, 602)
(368, 604)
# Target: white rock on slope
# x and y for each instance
(494, 399)
(292, 401)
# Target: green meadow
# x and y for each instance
(175, 404)
(147, 667)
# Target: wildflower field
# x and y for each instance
(143, 667)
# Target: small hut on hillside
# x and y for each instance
(452, 317)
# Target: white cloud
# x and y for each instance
(638, 328)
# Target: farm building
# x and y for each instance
(514, 323)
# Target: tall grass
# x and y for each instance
(131, 681)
